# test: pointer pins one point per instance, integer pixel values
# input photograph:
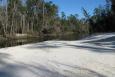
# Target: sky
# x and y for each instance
(75, 6)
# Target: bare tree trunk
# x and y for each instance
(22, 24)
(6, 16)
(43, 13)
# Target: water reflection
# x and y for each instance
(9, 42)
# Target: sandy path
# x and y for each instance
(59, 59)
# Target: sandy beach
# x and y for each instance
(90, 57)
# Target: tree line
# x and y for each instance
(103, 18)
(38, 17)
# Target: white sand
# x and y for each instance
(84, 58)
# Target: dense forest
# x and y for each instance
(39, 17)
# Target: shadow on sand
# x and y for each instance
(105, 45)
(18, 69)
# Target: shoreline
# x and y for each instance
(59, 59)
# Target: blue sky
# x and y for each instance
(75, 6)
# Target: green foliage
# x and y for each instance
(102, 19)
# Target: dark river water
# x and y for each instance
(10, 43)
